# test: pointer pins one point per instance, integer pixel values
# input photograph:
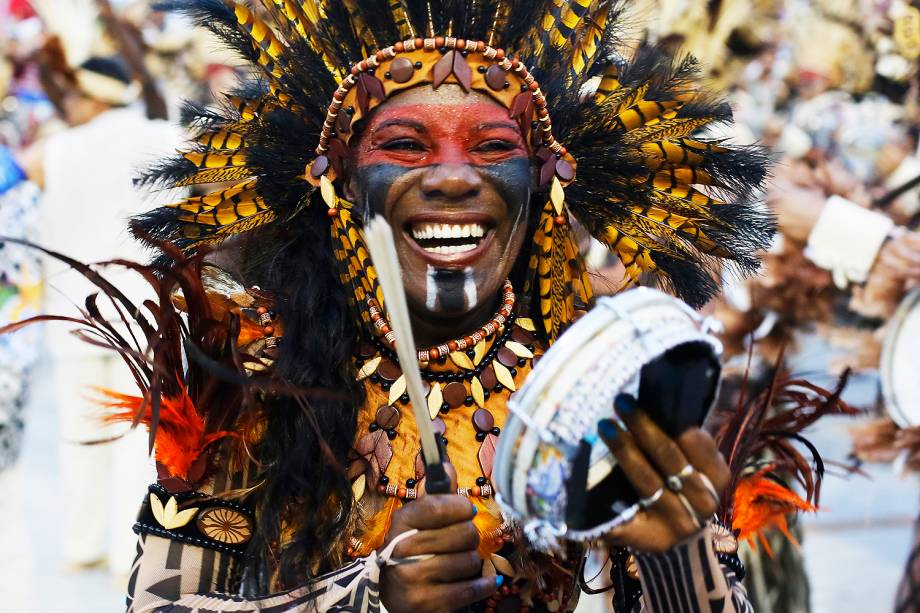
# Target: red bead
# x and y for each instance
(534, 86)
(399, 47)
(461, 44)
(401, 492)
(433, 354)
(332, 212)
(452, 345)
(261, 310)
(419, 43)
(381, 489)
(477, 491)
(355, 70)
(560, 220)
(269, 330)
(385, 329)
(439, 41)
(468, 339)
(380, 56)
(499, 54)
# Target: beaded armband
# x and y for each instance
(196, 519)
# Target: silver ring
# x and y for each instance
(655, 497)
(690, 510)
(710, 488)
(675, 483)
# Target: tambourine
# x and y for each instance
(551, 471)
(898, 367)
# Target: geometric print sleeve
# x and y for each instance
(173, 577)
(689, 579)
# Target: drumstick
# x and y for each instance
(379, 238)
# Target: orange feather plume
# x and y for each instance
(180, 437)
(760, 504)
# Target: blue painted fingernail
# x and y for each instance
(475, 510)
(625, 404)
(607, 429)
(591, 438)
(499, 580)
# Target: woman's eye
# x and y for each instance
(403, 144)
(496, 146)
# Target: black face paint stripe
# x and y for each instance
(449, 287)
(513, 179)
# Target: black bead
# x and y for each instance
(468, 375)
(464, 53)
(373, 427)
(468, 401)
(418, 65)
(521, 361)
(442, 50)
(359, 363)
(513, 371)
(444, 441)
(384, 480)
(507, 84)
(404, 398)
(524, 87)
(480, 481)
(471, 353)
(375, 378)
(388, 75)
(428, 376)
(385, 386)
(478, 370)
(410, 483)
(371, 70)
(534, 125)
(481, 70)
(442, 377)
(480, 436)
(391, 434)
(350, 110)
(498, 387)
(496, 430)
(445, 407)
(486, 394)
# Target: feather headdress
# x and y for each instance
(615, 143)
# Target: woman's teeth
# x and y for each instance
(439, 230)
(448, 239)
(450, 249)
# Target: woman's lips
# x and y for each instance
(449, 242)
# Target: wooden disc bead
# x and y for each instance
(483, 420)
(454, 394)
(387, 417)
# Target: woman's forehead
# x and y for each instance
(449, 103)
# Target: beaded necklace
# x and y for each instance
(466, 372)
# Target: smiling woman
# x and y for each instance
(437, 116)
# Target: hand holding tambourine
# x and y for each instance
(571, 466)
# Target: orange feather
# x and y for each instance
(760, 504)
(181, 436)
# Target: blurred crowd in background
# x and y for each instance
(91, 90)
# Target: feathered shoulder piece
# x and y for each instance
(199, 353)
(616, 136)
(761, 440)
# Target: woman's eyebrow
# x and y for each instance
(490, 125)
(406, 123)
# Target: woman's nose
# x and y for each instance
(451, 181)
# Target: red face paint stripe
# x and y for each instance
(418, 135)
